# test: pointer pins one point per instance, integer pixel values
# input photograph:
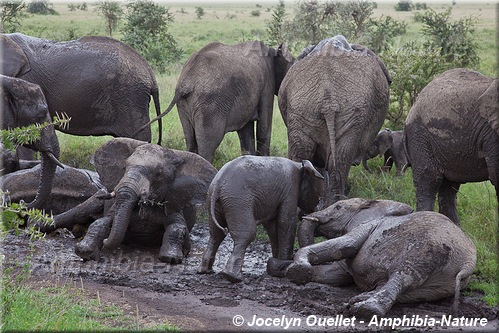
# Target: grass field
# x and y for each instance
(232, 22)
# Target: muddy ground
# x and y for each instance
(133, 278)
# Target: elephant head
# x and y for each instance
(140, 173)
(381, 144)
(24, 104)
(345, 215)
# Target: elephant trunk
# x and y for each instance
(306, 231)
(126, 200)
(48, 145)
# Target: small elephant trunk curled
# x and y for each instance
(126, 200)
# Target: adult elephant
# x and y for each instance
(452, 137)
(225, 88)
(24, 104)
(334, 101)
(105, 86)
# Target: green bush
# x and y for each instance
(11, 14)
(42, 7)
(411, 68)
(146, 30)
(454, 38)
(404, 6)
(112, 12)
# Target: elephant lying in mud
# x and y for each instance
(390, 252)
(390, 145)
(71, 187)
(253, 190)
(154, 192)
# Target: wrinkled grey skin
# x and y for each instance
(71, 187)
(226, 88)
(389, 144)
(393, 255)
(23, 104)
(10, 161)
(105, 86)
(253, 190)
(452, 137)
(154, 194)
(333, 103)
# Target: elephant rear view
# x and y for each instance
(105, 86)
(452, 137)
(226, 88)
(334, 101)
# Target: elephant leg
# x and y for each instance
(426, 182)
(275, 266)
(346, 246)
(264, 125)
(89, 247)
(270, 228)
(447, 200)
(209, 139)
(174, 247)
(189, 216)
(332, 274)
(81, 214)
(187, 127)
(243, 234)
(216, 238)
(247, 138)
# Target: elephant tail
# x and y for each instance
(462, 279)
(174, 101)
(155, 98)
(213, 200)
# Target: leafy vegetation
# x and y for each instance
(146, 30)
(112, 13)
(11, 15)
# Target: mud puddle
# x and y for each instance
(133, 278)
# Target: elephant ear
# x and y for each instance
(193, 177)
(488, 105)
(109, 160)
(13, 60)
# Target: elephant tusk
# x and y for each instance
(54, 159)
(310, 218)
(106, 196)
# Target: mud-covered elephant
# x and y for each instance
(334, 101)
(252, 190)
(389, 144)
(152, 194)
(105, 86)
(23, 104)
(225, 88)
(391, 253)
(452, 137)
(71, 187)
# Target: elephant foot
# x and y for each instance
(176, 243)
(230, 276)
(368, 308)
(277, 267)
(171, 255)
(299, 273)
(202, 270)
(87, 252)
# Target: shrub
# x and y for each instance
(42, 7)
(11, 14)
(455, 39)
(404, 6)
(146, 30)
(411, 68)
(199, 12)
(112, 12)
(275, 26)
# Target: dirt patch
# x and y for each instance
(157, 292)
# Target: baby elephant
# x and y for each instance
(394, 257)
(390, 144)
(253, 190)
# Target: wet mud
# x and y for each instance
(135, 279)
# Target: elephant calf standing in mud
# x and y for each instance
(392, 254)
(153, 198)
(253, 190)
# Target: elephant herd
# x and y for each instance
(333, 99)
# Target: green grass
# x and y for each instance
(56, 306)
(232, 23)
